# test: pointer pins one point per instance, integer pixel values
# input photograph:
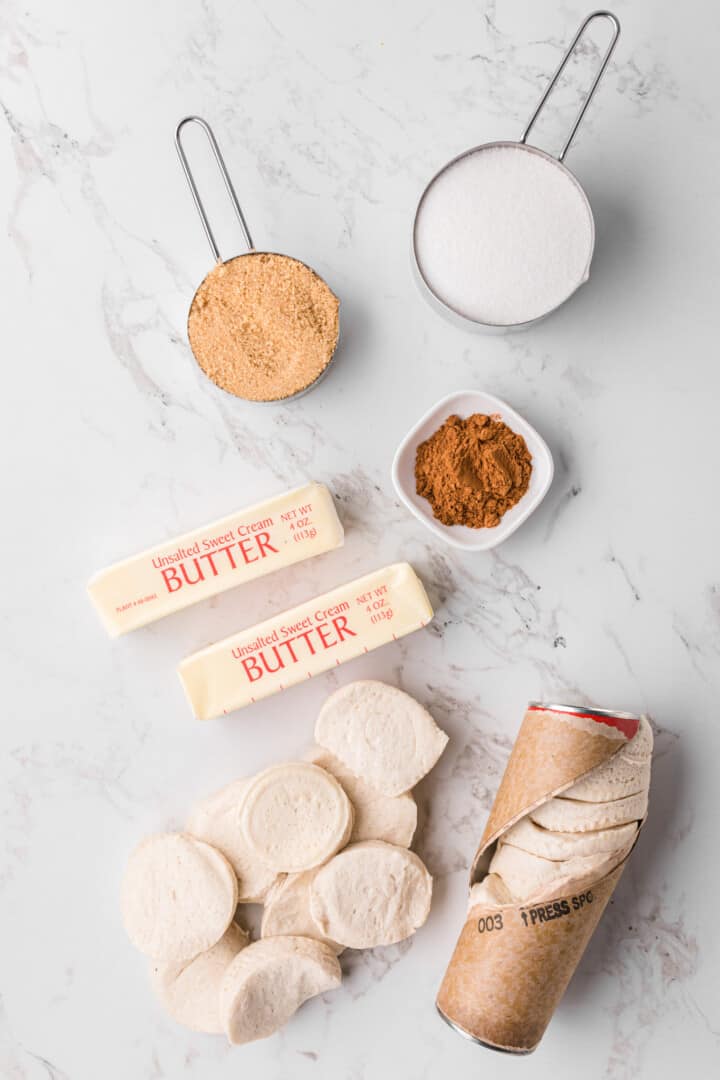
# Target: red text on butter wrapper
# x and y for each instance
(191, 572)
(295, 643)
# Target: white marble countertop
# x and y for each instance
(332, 117)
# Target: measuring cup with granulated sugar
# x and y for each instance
(262, 326)
(504, 233)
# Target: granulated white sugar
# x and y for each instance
(504, 235)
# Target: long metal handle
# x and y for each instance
(551, 85)
(193, 186)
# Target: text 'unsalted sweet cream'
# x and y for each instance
(246, 545)
(305, 641)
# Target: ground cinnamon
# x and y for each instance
(472, 471)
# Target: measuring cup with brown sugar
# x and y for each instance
(262, 326)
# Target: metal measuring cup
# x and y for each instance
(271, 258)
(575, 190)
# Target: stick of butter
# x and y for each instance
(305, 641)
(252, 542)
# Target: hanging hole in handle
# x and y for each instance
(227, 182)
(569, 53)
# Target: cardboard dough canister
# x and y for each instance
(513, 962)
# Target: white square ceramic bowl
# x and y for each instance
(464, 403)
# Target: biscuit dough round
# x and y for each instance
(216, 820)
(606, 785)
(572, 815)
(530, 837)
(626, 773)
(381, 734)
(269, 981)
(190, 991)
(287, 910)
(490, 892)
(640, 748)
(377, 816)
(178, 896)
(530, 877)
(370, 894)
(295, 816)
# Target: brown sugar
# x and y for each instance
(472, 471)
(263, 326)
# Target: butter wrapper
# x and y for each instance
(236, 549)
(305, 641)
(512, 962)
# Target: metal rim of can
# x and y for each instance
(481, 1042)
(582, 710)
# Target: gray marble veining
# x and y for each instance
(332, 118)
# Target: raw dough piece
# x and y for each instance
(627, 773)
(381, 734)
(267, 982)
(490, 892)
(605, 786)
(530, 837)
(640, 748)
(295, 816)
(530, 877)
(217, 821)
(572, 815)
(190, 992)
(371, 894)
(178, 897)
(287, 910)
(377, 816)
